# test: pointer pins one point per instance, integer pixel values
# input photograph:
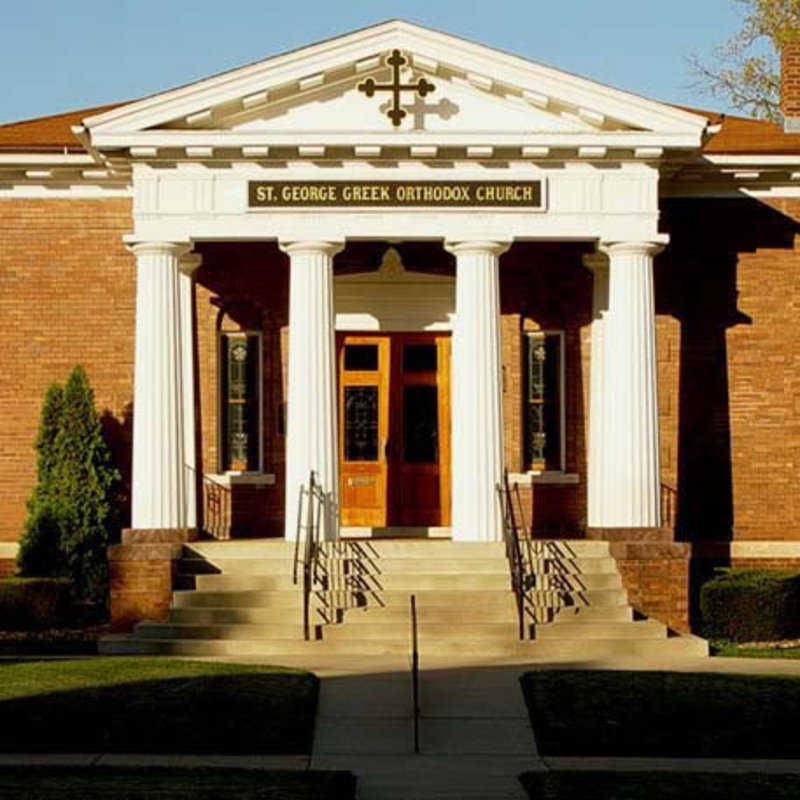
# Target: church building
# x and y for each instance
(413, 265)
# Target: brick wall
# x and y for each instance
(543, 286)
(244, 287)
(790, 79)
(729, 362)
(66, 297)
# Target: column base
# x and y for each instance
(141, 574)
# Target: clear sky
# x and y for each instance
(59, 55)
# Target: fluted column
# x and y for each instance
(630, 482)
(597, 263)
(477, 413)
(188, 264)
(311, 426)
(158, 499)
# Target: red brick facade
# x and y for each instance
(66, 297)
(728, 349)
(790, 79)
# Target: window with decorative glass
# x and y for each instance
(241, 401)
(543, 408)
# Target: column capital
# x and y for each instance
(596, 261)
(176, 249)
(494, 247)
(189, 263)
(631, 248)
(330, 248)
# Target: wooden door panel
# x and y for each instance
(419, 423)
(394, 429)
(363, 429)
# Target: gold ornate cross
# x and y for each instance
(395, 113)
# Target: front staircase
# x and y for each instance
(238, 598)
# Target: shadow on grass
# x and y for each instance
(225, 710)
(663, 714)
(658, 786)
(106, 783)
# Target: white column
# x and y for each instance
(311, 425)
(158, 435)
(188, 265)
(597, 263)
(477, 413)
(629, 478)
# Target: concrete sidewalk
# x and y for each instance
(475, 736)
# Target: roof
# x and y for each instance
(737, 135)
(47, 133)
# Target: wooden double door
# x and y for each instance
(394, 429)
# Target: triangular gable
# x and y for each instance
(314, 90)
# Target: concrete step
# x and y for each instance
(608, 613)
(426, 631)
(396, 581)
(169, 630)
(643, 629)
(578, 583)
(571, 566)
(557, 598)
(352, 566)
(397, 614)
(293, 598)
(273, 649)
(277, 598)
(579, 650)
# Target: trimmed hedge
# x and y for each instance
(35, 603)
(747, 605)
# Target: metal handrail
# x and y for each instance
(513, 550)
(415, 671)
(315, 501)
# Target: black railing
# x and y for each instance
(513, 550)
(314, 508)
(415, 671)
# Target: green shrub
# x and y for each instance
(745, 605)
(70, 514)
(31, 603)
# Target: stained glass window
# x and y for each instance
(240, 402)
(361, 423)
(542, 412)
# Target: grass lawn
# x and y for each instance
(658, 786)
(733, 650)
(107, 783)
(152, 705)
(669, 714)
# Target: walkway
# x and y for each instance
(475, 736)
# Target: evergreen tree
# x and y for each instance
(39, 553)
(83, 481)
(71, 513)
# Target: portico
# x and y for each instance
(292, 153)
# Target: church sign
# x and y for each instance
(408, 194)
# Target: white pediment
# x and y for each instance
(312, 93)
(452, 106)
